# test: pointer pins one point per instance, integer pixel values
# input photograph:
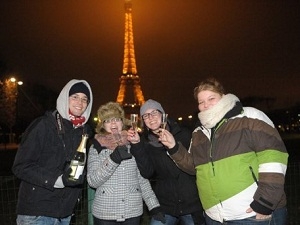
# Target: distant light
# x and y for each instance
(95, 119)
(190, 116)
(179, 118)
(14, 80)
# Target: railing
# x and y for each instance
(9, 186)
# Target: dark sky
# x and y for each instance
(252, 46)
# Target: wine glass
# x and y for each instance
(164, 119)
(134, 121)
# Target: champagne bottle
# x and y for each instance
(78, 162)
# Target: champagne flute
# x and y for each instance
(134, 121)
(164, 119)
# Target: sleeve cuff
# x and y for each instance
(260, 208)
(154, 211)
(135, 148)
(59, 183)
(173, 150)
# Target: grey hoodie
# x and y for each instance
(62, 102)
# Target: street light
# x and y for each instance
(9, 103)
(14, 80)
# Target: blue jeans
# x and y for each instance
(130, 221)
(279, 217)
(42, 220)
(172, 220)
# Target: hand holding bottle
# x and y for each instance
(71, 182)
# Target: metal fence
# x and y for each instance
(9, 186)
(9, 191)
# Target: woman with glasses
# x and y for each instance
(238, 157)
(113, 172)
(176, 190)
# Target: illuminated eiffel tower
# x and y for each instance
(130, 94)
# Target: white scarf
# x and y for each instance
(209, 118)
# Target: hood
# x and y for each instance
(62, 102)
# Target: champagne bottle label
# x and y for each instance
(77, 169)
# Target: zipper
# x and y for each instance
(253, 175)
(212, 143)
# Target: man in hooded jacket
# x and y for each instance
(46, 195)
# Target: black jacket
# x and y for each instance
(40, 160)
(176, 190)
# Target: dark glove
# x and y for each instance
(120, 154)
(70, 182)
(158, 215)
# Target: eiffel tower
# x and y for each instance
(130, 94)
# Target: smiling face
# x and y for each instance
(152, 119)
(207, 99)
(208, 93)
(78, 103)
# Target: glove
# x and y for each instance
(120, 154)
(158, 215)
(70, 182)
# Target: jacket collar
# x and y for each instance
(228, 106)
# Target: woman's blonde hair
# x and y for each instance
(210, 84)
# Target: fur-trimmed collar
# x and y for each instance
(209, 118)
(108, 140)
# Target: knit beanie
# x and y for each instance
(80, 88)
(151, 104)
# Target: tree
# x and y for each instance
(8, 100)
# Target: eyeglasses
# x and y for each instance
(154, 113)
(76, 98)
(112, 120)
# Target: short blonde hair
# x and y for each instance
(210, 84)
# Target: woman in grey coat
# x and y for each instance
(113, 172)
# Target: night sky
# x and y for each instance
(252, 46)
